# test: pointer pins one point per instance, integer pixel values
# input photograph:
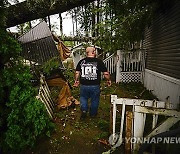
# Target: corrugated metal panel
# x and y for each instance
(38, 45)
(40, 51)
(38, 32)
(162, 43)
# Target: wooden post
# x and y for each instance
(118, 69)
(138, 118)
(129, 118)
(154, 123)
(111, 119)
(114, 119)
(138, 129)
(122, 123)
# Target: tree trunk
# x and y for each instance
(73, 27)
(93, 21)
(49, 22)
(86, 21)
(21, 28)
(78, 38)
(76, 22)
(73, 23)
(31, 10)
(61, 25)
(97, 28)
(30, 25)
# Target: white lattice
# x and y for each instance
(131, 77)
(130, 66)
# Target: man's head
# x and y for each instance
(91, 52)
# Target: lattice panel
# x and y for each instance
(131, 77)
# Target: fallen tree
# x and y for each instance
(34, 9)
(77, 38)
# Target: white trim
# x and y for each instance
(155, 111)
(165, 77)
(138, 102)
(111, 56)
(132, 72)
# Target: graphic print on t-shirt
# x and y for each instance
(89, 71)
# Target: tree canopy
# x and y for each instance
(118, 23)
(35, 9)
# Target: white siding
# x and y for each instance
(163, 87)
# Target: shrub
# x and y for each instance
(23, 117)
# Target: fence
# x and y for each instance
(136, 120)
(130, 66)
(44, 96)
(110, 63)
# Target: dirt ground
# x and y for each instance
(89, 136)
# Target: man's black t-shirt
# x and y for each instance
(90, 69)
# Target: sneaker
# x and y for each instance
(93, 116)
(83, 115)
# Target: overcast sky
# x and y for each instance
(67, 23)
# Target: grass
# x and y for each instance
(76, 136)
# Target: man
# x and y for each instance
(89, 71)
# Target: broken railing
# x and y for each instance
(135, 120)
(44, 96)
(110, 63)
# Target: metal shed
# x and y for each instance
(38, 45)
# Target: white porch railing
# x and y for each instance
(130, 66)
(110, 63)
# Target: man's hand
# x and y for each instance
(76, 84)
(107, 76)
(108, 83)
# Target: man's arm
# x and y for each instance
(108, 78)
(76, 83)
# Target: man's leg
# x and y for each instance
(95, 96)
(84, 100)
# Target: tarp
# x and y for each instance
(64, 51)
(65, 97)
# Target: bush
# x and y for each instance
(27, 118)
(23, 117)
